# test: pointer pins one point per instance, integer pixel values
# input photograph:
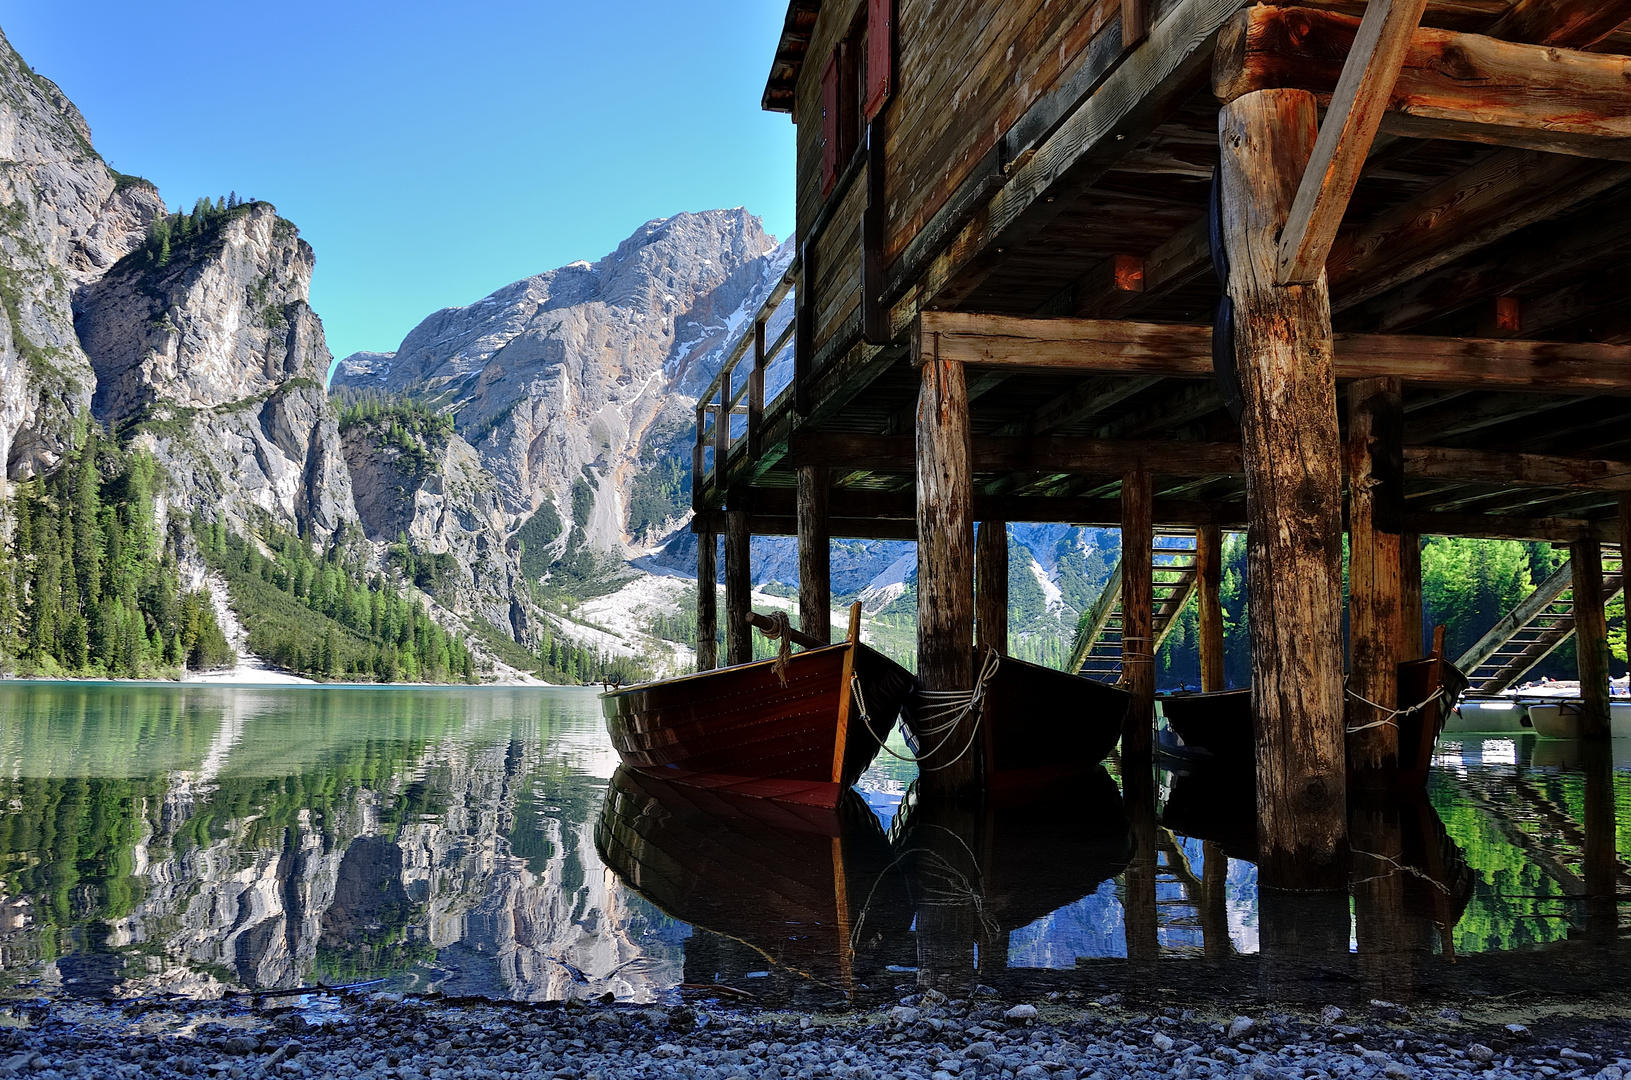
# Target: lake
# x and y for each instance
(195, 840)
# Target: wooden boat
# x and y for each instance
(1216, 724)
(812, 893)
(1419, 681)
(1039, 726)
(795, 736)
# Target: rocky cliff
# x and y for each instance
(206, 352)
(559, 379)
(65, 219)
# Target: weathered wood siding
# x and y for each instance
(967, 71)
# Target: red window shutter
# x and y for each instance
(880, 55)
(829, 124)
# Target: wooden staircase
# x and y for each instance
(1097, 653)
(1541, 622)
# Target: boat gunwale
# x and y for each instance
(675, 679)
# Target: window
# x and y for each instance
(855, 86)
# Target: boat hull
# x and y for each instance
(740, 727)
(1561, 719)
(1502, 716)
(1041, 727)
(1218, 723)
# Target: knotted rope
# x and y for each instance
(952, 707)
(781, 628)
(1390, 716)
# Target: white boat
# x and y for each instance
(1561, 719)
(1494, 716)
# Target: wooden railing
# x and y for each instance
(718, 443)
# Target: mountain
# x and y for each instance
(561, 380)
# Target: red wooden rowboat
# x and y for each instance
(745, 730)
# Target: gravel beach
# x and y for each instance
(925, 1037)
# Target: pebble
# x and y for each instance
(374, 1038)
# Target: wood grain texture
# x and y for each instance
(991, 585)
(738, 588)
(815, 553)
(707, 601)
(1138, 614)
(945, 555)
(1410, 602)
(1591, 637)
(1209, 578)
(1375, 462)
(1358, 103)
(1293, 482)
(1573, 24)
(1449, 85)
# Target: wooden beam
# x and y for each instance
(1591, 637)
(1209, 579)
(775, 512)
(707, 601)
(1375, 464)
(1105, 347)
(1520, 469)
(738, 588)
(1293, 465)
(1410, 602)
(945, 559)
(1138, 618)
(991, 453)
(991, 585)
(1449, 85)
(1177, 261)
(1573, 24)
(1556, 530)
(1351, 121)
(815, 553)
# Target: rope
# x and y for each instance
(1390, 716)
(1434, 882)
(953, 707)
(781, 628)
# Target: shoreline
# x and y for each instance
(1059, 1037)
(292, 683)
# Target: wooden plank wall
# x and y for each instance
(968, 70)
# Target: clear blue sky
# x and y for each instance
(430, 151)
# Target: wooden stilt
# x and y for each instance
(1208, 579)
(1602, 866)
(738, 586)
(1138, 613)
(1591, 637)
(1375, 456)
(1410, 609)
(991, 585)
(1140, 910)
(945, 555)
(707, 602)
(815, 553)
(1293, 466)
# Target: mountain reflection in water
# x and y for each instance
(194, 840)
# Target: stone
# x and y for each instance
(1331, 1014)
(1449, 1015)
(1162, 1042)
(1480, 1053)
(1021, 1013)
(1241, 1027)
(1517, 1031)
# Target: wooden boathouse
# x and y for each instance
(1310, 269)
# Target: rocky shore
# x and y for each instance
(925, 1037)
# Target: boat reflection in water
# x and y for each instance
(977, 874)
(789, 894)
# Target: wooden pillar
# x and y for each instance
(945, 553)
(815, 553)
(707, 601)
(1140, 907)
(1138, 613)
(1208, 580)
(1602, 865)
(991, 585)
(1375, 456)
(1590, 637)
(738, 588)
(1411, 646)
(1293, 466)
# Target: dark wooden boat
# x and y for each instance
(744, 729)
(1217, 724)
(812, 893)
(1040, 726)
(1420, 680)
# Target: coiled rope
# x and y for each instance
(951, 708)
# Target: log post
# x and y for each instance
(1138, 613)
(1293, 465)
(1602, 865)
(1375, 457)
(1208, 580)
(945, 553)
(738, 589)
(707, 601)
(815, 553)
(1410, 609)
(991, 585)
(1590, 637)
